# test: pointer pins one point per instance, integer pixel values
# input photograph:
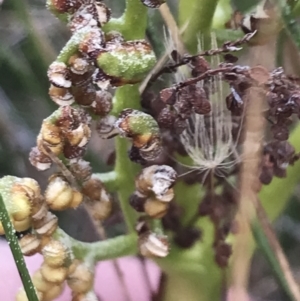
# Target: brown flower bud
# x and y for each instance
(47, 225)
(76, 199)
(58, 194)
(168, 96)
(55, 275)
(58, 75)
(81, 280)
(29, 244)
(137, 201)
(78, 65)
(92, 189)
(55, 254)
(81, 170)
(40, 283)
(155, 208)
(39, 160)
(22, 225)
(153, 245)
(61, 96)
(92, 42)
(102, 104)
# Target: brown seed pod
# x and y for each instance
(59, 193)
(78, 65)
(157, 179)
(58, 75)
(22, 225)
(47, 225)
(153, 245)
(102, 105)
(137, 201)
(64, 6)
(102, 209)
(103, 12)
(55, 275)
(92, 189)
(155, 208)
(81, 280)
(40, 283)
(61, 96)
(55, 254)
(29, 244)
(50, 133)
(81, 170)
(92, 42)
(76, 199)
(39, 214)
(39, 160)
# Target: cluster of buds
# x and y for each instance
(151, 244)
(154, 190)
(50, 278)
(23, 200)
(74, 83)
(66, 131)
(27, 209)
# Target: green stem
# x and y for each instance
(17, 253)
(196, 16)
(112, 248)
(132, 24)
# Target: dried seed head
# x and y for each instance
(102, 210)
(73, 153)
(39, 160)
(58, 75)
(92, 42)
(50, 134)
(54, 274)
(155, 208)
(40, 213)
(106, 127)
(64, 6)
(103, 13)
(79, 136)
(92, 189)
(55, 254)
(29, 244)
(81, 280)
(153, 245)
(58, 194)
(47, 225)
(81, 170)
(102, 105)
(78, 65)
(166, 118)
(61, 96)
(168, 96)
(157, 179)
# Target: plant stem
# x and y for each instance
(198, 15)
(109, 179)
(112, 248)
(17, 253)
